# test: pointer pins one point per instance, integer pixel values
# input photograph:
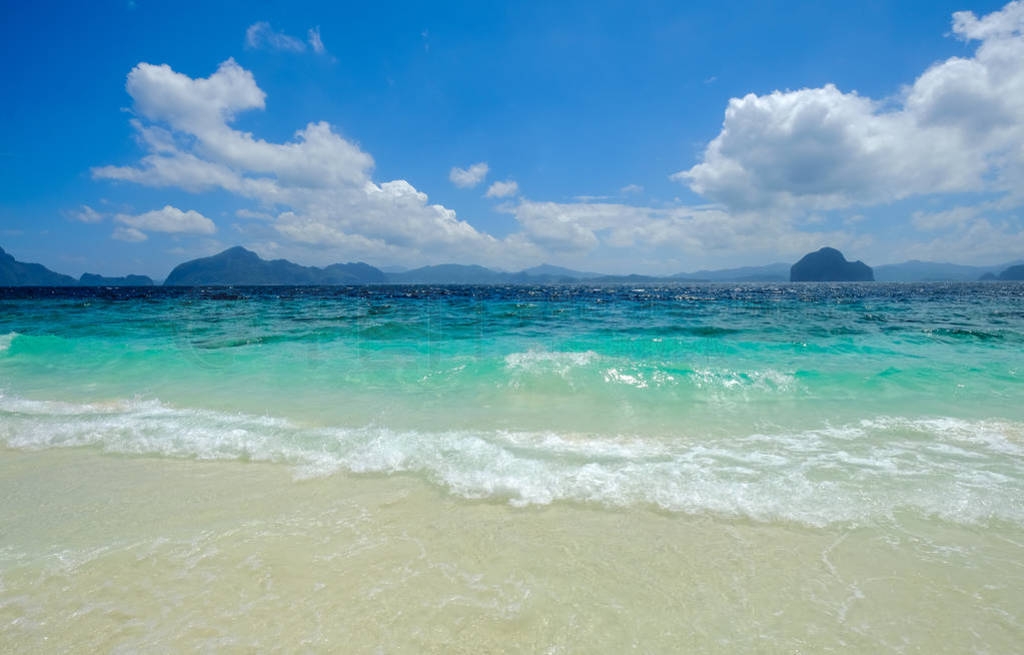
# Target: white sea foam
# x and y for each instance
(959, 470)
(558, 361)
(615, 375)
(766, 380)
(6, 339)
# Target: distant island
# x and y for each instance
(239, 266)
(829, 265)
(20, 274)
(919, 271)
(93, 280)
(1013, 273)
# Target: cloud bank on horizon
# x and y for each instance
(780, 162)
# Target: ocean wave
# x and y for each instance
(644, 375)
(728, 379)
(6, 339)
(961, 471)
(549, 360)
(631, 379)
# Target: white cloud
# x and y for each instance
(325, 206)
(958, 128)
(250, 214)
(129, 234)
(261, 35)
(222, 156)
(169, 219)
(979, 240)
(502, 189)
(318, 185)
(1005, 22)
(86, 214)
(200, 106)
(780, 161)
(694, 231)
(466, 178)
(968, 233)
(953, 217)
(315, 41)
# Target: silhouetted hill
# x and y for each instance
(829, 265)
(352, 273)
(550, 271)
(240, 267)
(545, 274)
(1013, 273)
(629, 279)
(918, 271)
(93, 280)
(21, 274)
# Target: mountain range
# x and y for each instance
(918, 271)
(20, 274)
(239, 266)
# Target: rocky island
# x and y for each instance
(829, 265)
(239, 266)
(93, 280)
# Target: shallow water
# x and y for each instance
(768, 468)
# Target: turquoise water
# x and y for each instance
(708, 469)
(805, 403)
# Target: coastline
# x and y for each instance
(108, 552)
(718, 470)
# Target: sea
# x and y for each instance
(705, 468)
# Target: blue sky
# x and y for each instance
(621, 137)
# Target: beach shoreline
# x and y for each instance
(108, 552)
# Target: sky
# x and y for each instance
(606, 136)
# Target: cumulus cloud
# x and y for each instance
(318, 185)
(200, 107)
(319, 193)
(780, 162)
(262, 35)
(169, 219)
(958, 128)
(502, 189)
(466, 178)
(1006, 22)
